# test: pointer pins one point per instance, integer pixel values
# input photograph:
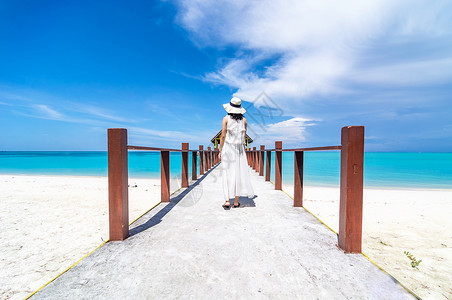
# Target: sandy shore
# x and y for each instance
(50, 222)
(394, 221)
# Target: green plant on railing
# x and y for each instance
(414, 261)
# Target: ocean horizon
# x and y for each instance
(381, 169)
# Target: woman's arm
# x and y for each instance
(223, 132)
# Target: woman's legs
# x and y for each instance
(236, 201)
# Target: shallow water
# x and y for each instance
(406, 170)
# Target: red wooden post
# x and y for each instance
(278, 166)
(206, 161)
(165, 176)
(257, 160)
(184, 165)
(209, 159)
(268, 165)
(201, 160)
(254, 158)
(118, 189)
(298, 179)
(194, 165)
(351, 199)
(261, 161)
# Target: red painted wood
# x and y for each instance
(185, 165)
(118, 190)
(209, 157)
(165, 175)
(194, 165)
(201, 160)
(315, 148)
(298, 179)
(278, 166)
(151, 148)
(261, 160)
(351, 195)
(206, 162)
(268, 165)
(254, 159)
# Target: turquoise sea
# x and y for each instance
(405, 170)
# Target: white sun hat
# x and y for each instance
(235, 106)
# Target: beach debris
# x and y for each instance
(383, 243)
(414, 261)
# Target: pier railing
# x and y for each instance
(351, 180)
(118, 174)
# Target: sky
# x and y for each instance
(162, 69)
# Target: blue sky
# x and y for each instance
(162, 69)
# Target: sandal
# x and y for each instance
(238, 205)
(227, 206)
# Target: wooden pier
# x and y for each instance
(270, 247)
(351, 189)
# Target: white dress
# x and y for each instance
(234, 165)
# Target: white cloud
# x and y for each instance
(46, 112)
(306, 48)
(99, 112)
(292, 132)
(425, 72)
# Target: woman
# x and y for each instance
(235, 172)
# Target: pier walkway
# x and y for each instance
(191, 248)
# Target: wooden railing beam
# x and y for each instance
(268, 161)
(184, 165)
(194, 165)
(118, 187)
(351, 193)
(261, 160)
(298, 179)
(278, 165)
(165, 176)
(201, 160)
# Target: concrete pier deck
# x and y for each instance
(191, 248)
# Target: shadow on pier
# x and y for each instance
(157, 218)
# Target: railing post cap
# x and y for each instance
(353, 126)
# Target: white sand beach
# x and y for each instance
(50, 222)
(394, 221)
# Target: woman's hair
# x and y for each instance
(236, 116)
